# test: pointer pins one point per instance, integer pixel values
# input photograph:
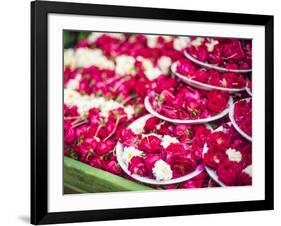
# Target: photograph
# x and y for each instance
(154, 112)
(141, 112)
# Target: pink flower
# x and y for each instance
(180, 164)
(94, 117)
(104, 147)
(197, 182)
(228, 172)
(217, 101)
(70, 111)
(245, 179)
(69, 133)
(164, 82)
(185, 67)
(243, 115)
(169, 112)
(81, 131)
(175, 148)
(219, 141)
(149, 162)
(127, 137)
(202, 53)
(136, 166)
(83, 43)
(68, 74)
(151, 124)
(150, 144)
(181, 129)
(97, 162)
(213, 157)
(113, 167)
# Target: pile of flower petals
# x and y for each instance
(178, 101)
(243, 115)
(230, 155)
(106, 79)
(163, 150)
(230, 53)
(210, 76)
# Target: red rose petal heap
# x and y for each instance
(210, 76)
(164, 151)
(243, 115)
(107, 77)
(230, 156)
(178, 101)
(93, 140)
(228, 53)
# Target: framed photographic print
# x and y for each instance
(145, 112)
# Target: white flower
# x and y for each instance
(150, 71)
(95, 35)
(162, 171)
(108, 106)
(74, 83)
(233, 155)
(86, 57)
(84, 106)
(167, 38)
(130, 111)
(164, 63)
(211, 45)
(85, 102)
(129, 153)
(153, 73)
(248, 170)
(125, 65)
(70, 96)
(181, 43)
(167, 140)
(197, 42)
(69, 57)
(152, 40)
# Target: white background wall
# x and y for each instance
(15, 113)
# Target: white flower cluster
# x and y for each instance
(95, 35)
(181, 43)
(125, 65)
(164, 63)
(85, 102)
(85, 57)
(153, 39)
(197, 42)
(129, 153)
(233, 155)
(73, 84)
(211, 44)
(150, 71)
(167, 140)
(162, 171)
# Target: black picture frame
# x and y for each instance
(39, 112)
